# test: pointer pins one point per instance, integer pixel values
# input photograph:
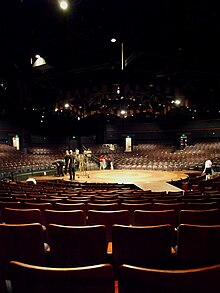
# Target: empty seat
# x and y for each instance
(131, 207)
(152, 218)
(201, 205)
(175, 193)
(103, 206)
(70, 206)
(94, 279)
(77, 246)
(177, 207)
(200, 217)
(132, 279)
(108, 218)
(198, 245)
(103, 200)
(68, 218)
(42, 206)
(21, 242)
(22, 216)
(148, 246)
(8, 204)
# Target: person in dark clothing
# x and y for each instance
(71, 165)
(66, 159)
(59, 164)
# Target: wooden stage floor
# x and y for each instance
(144, 179)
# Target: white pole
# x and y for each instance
(122, 56)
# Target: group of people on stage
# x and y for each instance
(72, 162)
(69, 165)
(106, 162)
(76, 161)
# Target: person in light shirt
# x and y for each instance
(208, 169)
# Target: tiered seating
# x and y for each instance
(163, 157)
(143, 157)
(141, 212)
(15, 162)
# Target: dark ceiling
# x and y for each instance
(168, 45)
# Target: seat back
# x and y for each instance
(70, 206)
(22, 216)
(103, 206)
(200, 217)
(21, 242)
(8, 204)
(148, 246)
(93, 279)
(131, 207)
(67, 218)
(177, 207)
(133, 279)
(72, 246)
(152, 218)
(198, 245)
(42, 206)
(200, 205)
(108, 218)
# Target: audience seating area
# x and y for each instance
(107, 231)
(14, 162)
(110, 237)
(168, 158)
(153, 156)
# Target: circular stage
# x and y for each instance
(144, 179)
(154, 180)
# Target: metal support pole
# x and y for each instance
(122, 56)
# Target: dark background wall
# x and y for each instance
(166, 132)
(158, 131)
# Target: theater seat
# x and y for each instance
(133, 279)
(108, 218)
(147, 246)
(198, 245)
(21, 242)
(34, 279)
(72, 246)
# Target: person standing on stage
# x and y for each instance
(208, 169)
(66, 161)
(111, 163)
(89, 154)
(102, 162)
(71, 165)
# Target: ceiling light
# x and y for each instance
(63, 4)
(177, 102)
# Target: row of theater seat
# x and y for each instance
(210, 187)
(149, 248)
(100, 278)
(109, 218)
(128, 214)
(200, 252)
(62, 188)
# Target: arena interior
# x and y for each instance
(138, 85)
